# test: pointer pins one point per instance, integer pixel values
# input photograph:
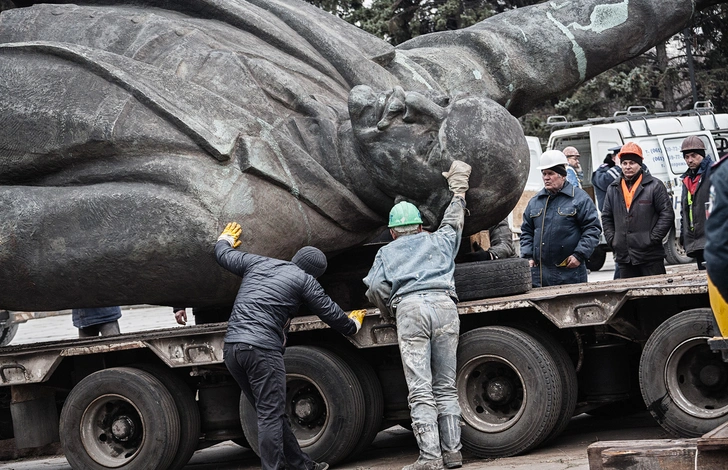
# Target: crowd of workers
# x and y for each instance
(411, 281)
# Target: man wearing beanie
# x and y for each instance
(695, 193)
(412, 279)
(560, 227)
(637, 216)
(270, 294)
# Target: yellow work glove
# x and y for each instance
(358, 317)
(231, 234)
(458, 176)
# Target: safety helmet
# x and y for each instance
(404, 213)
(692, 142)
(552, 158)
(632, 149)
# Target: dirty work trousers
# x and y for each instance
(427, 329)
(261, 375)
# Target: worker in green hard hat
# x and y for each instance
(412, 281)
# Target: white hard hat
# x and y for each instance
(551, 158)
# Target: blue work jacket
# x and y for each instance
(556, 226)
(416, 263)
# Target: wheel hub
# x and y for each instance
(712, 375)
(306, 409)
(123, 428)
(499, 390)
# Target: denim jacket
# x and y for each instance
(414, 263)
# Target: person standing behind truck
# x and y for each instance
(574, 173)
(560, 227)
(269, 296)
(92, 322)
(695, 193)
(606, 174)
(412, 280)
(716, 229)
(637, 215)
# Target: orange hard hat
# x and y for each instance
(631, 148)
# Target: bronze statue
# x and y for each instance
(129, 133)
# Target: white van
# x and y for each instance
(660, 136)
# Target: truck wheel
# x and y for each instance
(119, 418)
(597, 259)
(509, 391)
(187, 409)
(7, 334)
(373, 399)
(674, 251)
(484, 279)
(324, 404)
(684, 384)
(567, 374)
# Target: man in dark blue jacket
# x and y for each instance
(716, 229)
(270, 294)
(607, 173)
(560, 227)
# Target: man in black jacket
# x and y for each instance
(716, 229)
(637, 215)
(695, 192)
(270, 294)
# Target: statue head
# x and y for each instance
(408, 139)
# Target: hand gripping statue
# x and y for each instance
(130, 132)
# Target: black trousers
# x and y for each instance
(261, 375)
(653, 268)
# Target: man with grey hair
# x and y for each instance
(412, 280)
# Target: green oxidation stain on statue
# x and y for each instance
(131, 133)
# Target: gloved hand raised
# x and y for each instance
(457, 177)
(231, 234)
(358, 317)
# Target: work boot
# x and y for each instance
(449, 427)
(422, 464)
(452, 459)
(320, 466)
(428, 440)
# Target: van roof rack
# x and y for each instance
(700, 108)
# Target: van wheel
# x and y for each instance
(684, 384)
(509, 391)
(121, 418)
(674, 251)
(499, 277)
(597, 259)
(324, 404)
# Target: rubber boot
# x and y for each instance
(428, 440)
(109, 329)
(449, 426)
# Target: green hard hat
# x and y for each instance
(404, 213)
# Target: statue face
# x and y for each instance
(399, 133)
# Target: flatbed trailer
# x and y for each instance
(526, 364)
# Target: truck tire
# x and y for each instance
(509, 391)
(683, 383)
(674, 251)
(485, 279)
(324, 404)
(7, 334)
(597, 259)
(121, 418)
(567, 374)
(373, 399)
(187, 409)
